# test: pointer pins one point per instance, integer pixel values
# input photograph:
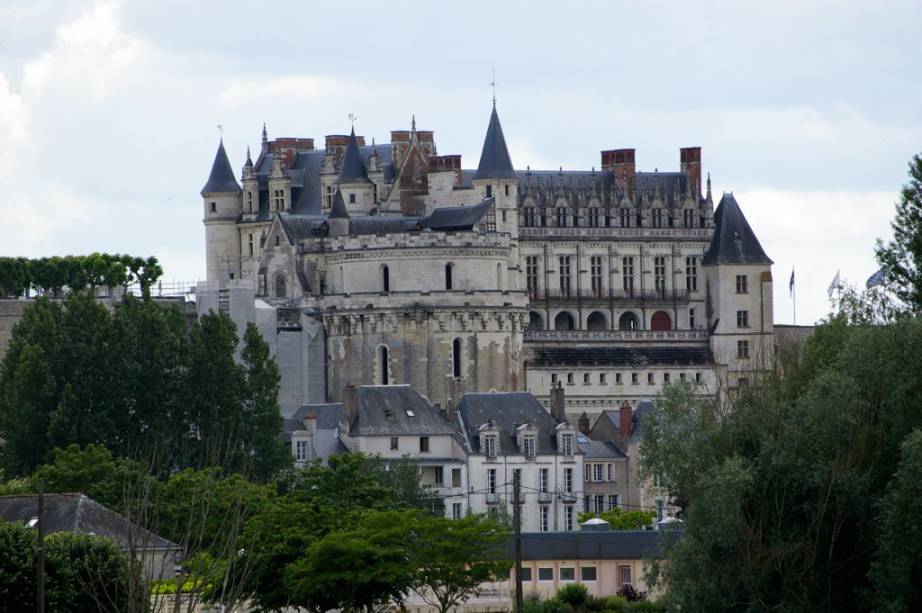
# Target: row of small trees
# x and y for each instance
(19, 276)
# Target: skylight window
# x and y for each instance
(32, 522)
(410, 413)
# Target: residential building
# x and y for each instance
(605, 475)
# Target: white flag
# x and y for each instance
(836, 284)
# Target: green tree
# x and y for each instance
(454, 557)
(262, 418)
(901, 258)
(897, 569)
(623, 520)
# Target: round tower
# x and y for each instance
(222, 201)
(357, 189)
(495, 178)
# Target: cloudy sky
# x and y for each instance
(807, 111)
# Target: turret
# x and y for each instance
(222, 202)
(357, 189)
(496, 178)
(739, 295)
(339, 216)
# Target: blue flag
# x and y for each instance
(876, 279)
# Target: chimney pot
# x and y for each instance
(350, 403)
(625, 421)
(558, 403)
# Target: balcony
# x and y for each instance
(492, 498)
(607, 296)
(568, 336)
(545, 497)
(702, 234)
(568, 497)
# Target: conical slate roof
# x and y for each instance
(495, 162)
(222, 179)
(339, 207)
(734, 241)
(353, 168)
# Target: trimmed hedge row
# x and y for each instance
(19, 276)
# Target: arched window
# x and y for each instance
(456, 358)
(628, 321)
(660, 321)
(596, 321)
(385, 279)
(449, 275)
(563, 321)
(280, 289)
(342, 281)
(383, 358)
(535, 321)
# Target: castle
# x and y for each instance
(391, 263)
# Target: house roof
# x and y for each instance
(339, 206)
(599, 449)
(621, 356)
(507, 410)
(734, 242)
(614, 417)
(495, 162)
(353, 167)
(587, 545)
(79, 514)
(448, 219)
(391, 410)
(299, 227)
(222, 179)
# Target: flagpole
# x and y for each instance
(794, 295)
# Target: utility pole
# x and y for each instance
(40, 553)
(517, 530)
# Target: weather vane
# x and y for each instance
(493, 85)
(352, 119)
(221, 130)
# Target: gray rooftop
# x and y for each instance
(588, 545)
(222, 179)
(79, 514)
(734, 241)
(353, 168)
(447, 219)
(495, 162)
(507, 410)
(339, 206)
(599, 449)
(391, 410)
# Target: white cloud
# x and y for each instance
(254, 91)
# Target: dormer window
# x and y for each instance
(566, 444)
(489, 445)
(528, 445)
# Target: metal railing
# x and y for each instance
(614, 335)
(607, 294)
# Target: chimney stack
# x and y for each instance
(558, 404)
(583, 424)
(690, 164)
(621, 163)
(625, 421)
(350, 404)
(310, 421)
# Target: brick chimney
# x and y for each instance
(690, 164)
(621, 163)
(583, 424)
(310, 421)
(350, 404)
(558, 403)
(625, 421)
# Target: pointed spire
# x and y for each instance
(734, 241)
(339, 210)
(265, 134)
(709, 187)
(413, 124)
(353, 167)
(495, 162)
(222, 179)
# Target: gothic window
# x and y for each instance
(280, 286)
(595, 275)
(456, 358)
(659, 272)
(689, 216)
(564, 274)
(625, 218)
(528, 217)
(657, 218)
(594, 217)
(531, 275)
(385, 279)
(691, 274)
(661, 321)
(449, 281)
(561, 217)
(627, 274)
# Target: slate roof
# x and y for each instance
(621, 356)
(353, 168)
(385, 410)
(299, 227)
(339, 206)
(640, 411)
(495, 162)
(507, 410)
(453, 218)
(587, 545)
(599, 449)
(327, 414)
(380, 224)
(222, 179)
(80, 514)
(734, 242)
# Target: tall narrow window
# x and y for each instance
(456, 358)
(659, 272)
(742, 319)
(691, 318)
(657, 218)
(280, 289)
(689, 218)
(449, 281)
(543, 481)
(627, 274)
(595, 275)
(594, 217)
(566, 444)
(568, 517)
(564, 262)
(531, 275)
(489, 191)
(691, 274)
(250, 241)
(384, 373)
(545, 518)
(568, 480)
(385, 279)
(491, 480)
(625, 218)
(249, 202)
(528, 217)
(561, 217)
(742, 349)
(742, 284)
